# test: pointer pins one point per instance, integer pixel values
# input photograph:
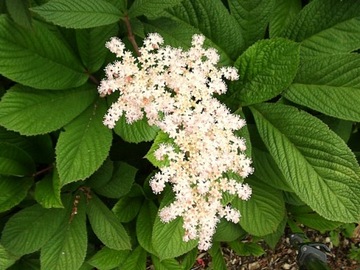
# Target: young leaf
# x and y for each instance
(265, 70)
(47, 191)
(91, 45)
(127, 208)
(29, 229)
(213, 20)
(136, 260)
(79, 13)
(264, 211)
(19, 12)
(15, 161)
(144, 224)
(150, 8)
(329, 84)
(84, 145)
(282, 14)
(107, 259)
(32, 112)
(120, 183)
(326, 26)
(67, 248)
(167, 238)
(168, 264)
(312, 159)
(106, 225)
(139, 131)
(26, 54)
(13, 190)
(6, 258)
(253, 18)
(217, 258)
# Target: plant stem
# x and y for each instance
(131, 36)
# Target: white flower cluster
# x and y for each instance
(173, 89)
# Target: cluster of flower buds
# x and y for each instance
(174, 89)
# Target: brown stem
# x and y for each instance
(43, 170)
(93, 79)
(131, 36)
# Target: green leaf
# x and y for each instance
(136, 260)
(217, 258)
(150, 8)
(284, 11)
(106, 225)
(102, 176)
(26, 54)
(19, 12)
(67, 248)
(79, 13)
(107, 259)
(189, 259)
(47, 191)
(139, 131)
(316, 163)
(120, 183)
(32, 112)
(15, 161)
(264, 211)
(246, 249)
(29, 229)
(144, 224)
(265, 69)
(329, 84)
(127, 208)
(91, 45)
(167, 238)
(162, 137)
(273, 238)
(227, 231)
(168, 264)
(13, 190)
(326, 26)
(6, 258)
(84, 145)
(253, 18)
(213, 20)
(341, 127)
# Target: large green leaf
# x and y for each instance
(253, 17)
(107, 259)
(217, 258)
(227, 231)
(79, 13)
(37, 58)
(265, 70)
(283, 13)
(168, 264)
(127, 208)
(329, 84)
(326, 26)
(136, 260)
(13, 190)
(47, 191)
(6, 258)
(32, 112)
(91, 44)
(106, 225)
(120, 182)
(139, 131)
(167, 238)
(67, 248)
(265, 210)
(29, 230)
(15, 161)
(19, 12)
(150, 8)
(316, 163)
(144, 224)
(213, 20)
(84, 145)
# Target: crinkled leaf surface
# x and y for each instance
(29, 229)
(79, 13)
(265, 69)
(150, 8)
(264, 211)
(13, 190)
(6, 258)
(282, 14)
(31, 111)
(136, 260)
(67, 248)
(106, 225)
(37, 58)
(107, 259)
(329, 84)
(313, 160)
(84, 145)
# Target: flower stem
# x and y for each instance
(131, 36)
